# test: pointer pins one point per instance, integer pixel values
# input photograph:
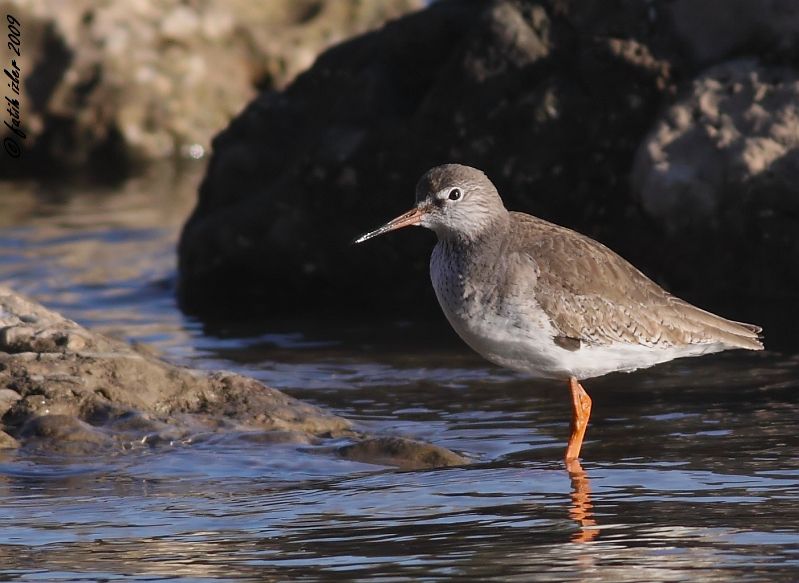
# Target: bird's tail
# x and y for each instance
(733, 334)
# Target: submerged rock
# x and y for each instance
(63, 432)
(63, 387)
(401, 452)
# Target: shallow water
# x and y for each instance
(691, 468)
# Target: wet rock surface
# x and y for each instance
(109, 83)
(555, 101)
(67, 389)
(401, 452)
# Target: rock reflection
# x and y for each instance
(582, 509)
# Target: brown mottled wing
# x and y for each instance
(595, 296)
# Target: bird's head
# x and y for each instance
(457, 202)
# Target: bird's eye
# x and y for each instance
(455, 194)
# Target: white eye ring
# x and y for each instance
(455, 194)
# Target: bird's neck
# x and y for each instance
(488, 235)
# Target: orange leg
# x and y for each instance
(581, 411)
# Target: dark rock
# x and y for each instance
(716, 29)
(107, 83)
(552, 100)
(514, 88)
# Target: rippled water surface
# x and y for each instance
(691, 469)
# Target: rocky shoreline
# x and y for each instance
(66, 389)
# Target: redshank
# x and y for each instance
(542, 299)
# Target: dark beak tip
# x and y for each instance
(365, 237)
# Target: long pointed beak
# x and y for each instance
(411, 218)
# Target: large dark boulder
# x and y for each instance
(549, 103)
(554, 100)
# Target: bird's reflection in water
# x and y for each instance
(582, 509)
